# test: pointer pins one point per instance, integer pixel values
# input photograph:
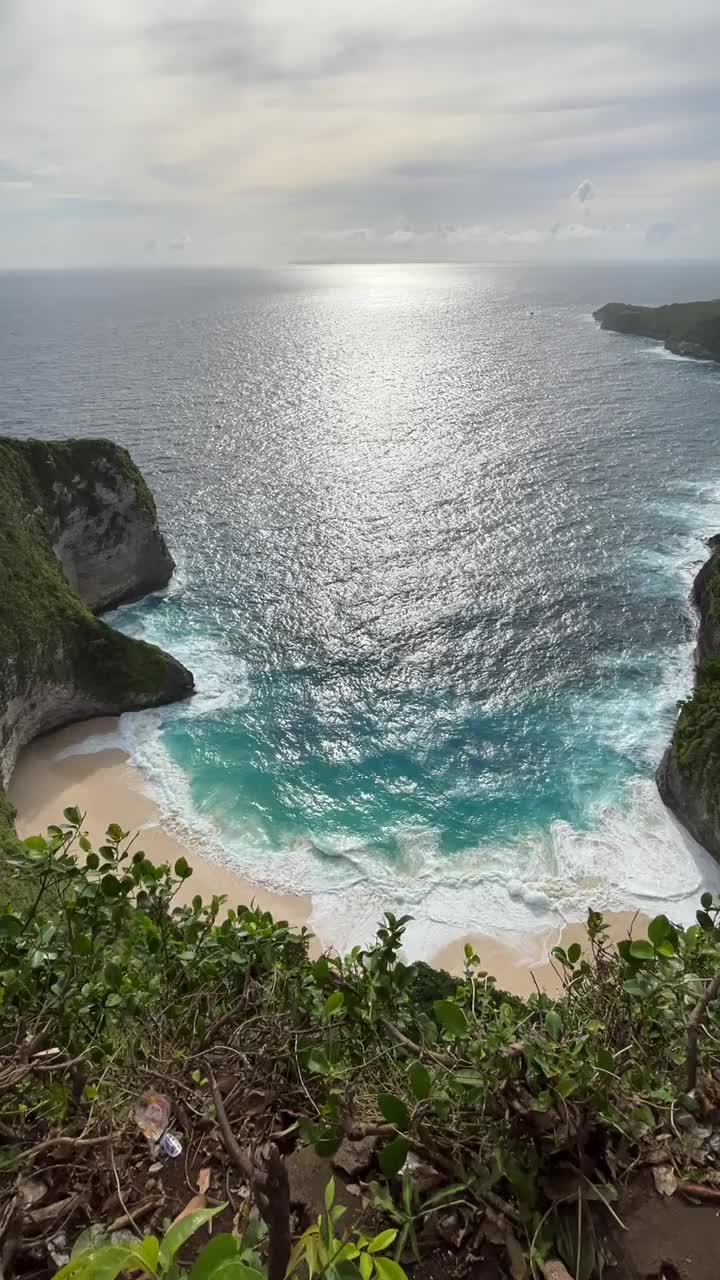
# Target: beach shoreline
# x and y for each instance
(54, 772)
(60, 770)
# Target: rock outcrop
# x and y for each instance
(688, 777)
(101, 520)
(689, 329)
(78, 533)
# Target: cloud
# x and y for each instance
(473, 234)
(457, 128)
(659, 232)
(175, 175)
(22, 175)
(585, 191)
(525, 235)
(576, 231)
(403, 235)
(347, 235)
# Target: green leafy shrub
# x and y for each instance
(318, 1253)
(482, 1087)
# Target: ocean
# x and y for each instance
(435, 534)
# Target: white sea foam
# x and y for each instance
(639, 859)
(659, 349)
(636, 856)
(222, 676)
(108, 740)
(223, 684)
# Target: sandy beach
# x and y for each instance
(55, 772)
(508, 963)
(51, 775)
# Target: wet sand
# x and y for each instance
(54, 773)
(107, 787)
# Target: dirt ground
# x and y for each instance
(665, 1238)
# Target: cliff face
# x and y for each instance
(686, 328)
(101, 520)
(78, 532)
(688, 777)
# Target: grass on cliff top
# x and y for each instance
(528, 1113)
(68, 472)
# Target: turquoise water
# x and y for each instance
(435, 534)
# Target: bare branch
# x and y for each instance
(230, 1142)
(268, 1181)
(70, 1144)
(711, 993)
(278, 1219)
(443, 1058)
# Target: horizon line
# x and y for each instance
(595, 263)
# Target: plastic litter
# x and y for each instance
(152, 1115)
(171, 1145)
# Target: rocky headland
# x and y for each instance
(688, 777)
(78, 533)
(687, 328)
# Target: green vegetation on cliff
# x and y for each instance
(43, 624)
(8, 839)
(58, 662)
(522, 1117)
(688, 328)
(62, 470)
(696, 738)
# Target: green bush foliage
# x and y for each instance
(483, 1086)
(319, 1253)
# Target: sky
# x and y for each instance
(261, 131)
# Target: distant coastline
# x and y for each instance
(690, 329)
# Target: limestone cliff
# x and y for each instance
(688, 777)
(101, 520)
(78, 532)
(687, 328)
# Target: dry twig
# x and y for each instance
(139, 1212)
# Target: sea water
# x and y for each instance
(435, 534)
